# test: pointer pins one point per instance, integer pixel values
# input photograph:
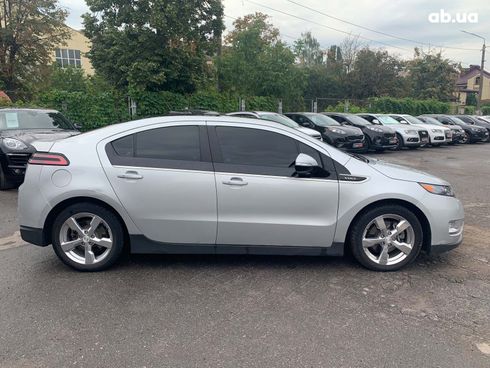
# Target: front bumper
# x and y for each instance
(14, 165)
(411, 141)
(383, 140)
(479, 136)
(348, 143)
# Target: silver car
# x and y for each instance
(202, 184)
(408, 136)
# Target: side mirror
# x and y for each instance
(305, 165)
(375, 121)
(77, 126)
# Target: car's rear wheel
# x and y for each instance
(88, 237)
(386, 238)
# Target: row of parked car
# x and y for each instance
(378, 132)
(357, 133)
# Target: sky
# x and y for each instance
(421, 23)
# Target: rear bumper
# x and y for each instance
(33, 235)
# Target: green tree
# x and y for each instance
(432, 76)
(29, 32)
(69, 79)
(375, 73)
(256, 62)
(154, 45)
(307, 50)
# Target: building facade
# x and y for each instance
(74, 52)
(468, 84)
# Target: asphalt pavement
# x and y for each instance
(257, 311)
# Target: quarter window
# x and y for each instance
(172, 143)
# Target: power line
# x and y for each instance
(324, 26)
(379, 32)
(282, 34)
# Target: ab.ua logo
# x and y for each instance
(444, 17)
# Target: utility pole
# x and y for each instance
(482, 72)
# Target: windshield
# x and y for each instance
(387, 120)
(281, 119)
(357, 120)
(322, 120)
(27, 119)
(458, 120)
(412, 119)
(431, 120)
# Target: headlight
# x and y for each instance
(411, 132)
(436, 131)
(444, 190)
(338, 131)
(375, 129)
(14, 144)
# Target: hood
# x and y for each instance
(310, 132)
(348, 129)
(399, 172)
(41, 135)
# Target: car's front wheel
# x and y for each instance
(466, 138)
(399, 142)
(87, 237)
(386, 238)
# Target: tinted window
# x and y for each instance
(243, 146)
(173, 143)
(124, 146)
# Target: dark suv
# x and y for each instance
(19, 128)
(473, 120)
(378, 137)
(343, 137)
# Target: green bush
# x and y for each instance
(485, 110)
(407, 106)
(88, 109)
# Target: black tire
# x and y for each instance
(355, 236)
(466, 138)
(400, 144)
(106, 215)
(4, 183)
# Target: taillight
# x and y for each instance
(51, 159)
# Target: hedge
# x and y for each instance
(97, 109)
(407, 106)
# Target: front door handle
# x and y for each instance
(235, 181)
(132, 175)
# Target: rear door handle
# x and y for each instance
(235, 181)
(132, 175)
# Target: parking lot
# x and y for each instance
(257, 311)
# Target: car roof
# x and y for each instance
(2, 109)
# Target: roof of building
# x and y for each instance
(472, 71)
(4, 96)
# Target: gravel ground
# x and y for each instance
(257, 311)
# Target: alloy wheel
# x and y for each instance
(388, 239)
(86, 238)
